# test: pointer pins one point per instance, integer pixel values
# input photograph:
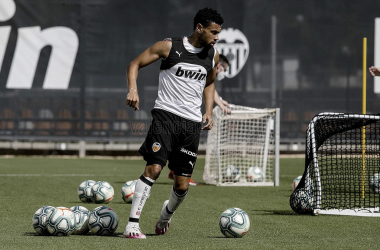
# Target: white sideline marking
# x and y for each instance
(53, 175)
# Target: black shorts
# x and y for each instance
(174, 139)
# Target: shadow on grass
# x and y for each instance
(74, 235)
(275, 212)
(83, 204)
(168, 183)
(151, 235)
(91, 234)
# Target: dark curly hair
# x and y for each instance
(207, 16)
(223, 58)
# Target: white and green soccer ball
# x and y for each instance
(374, 183)
(84, 190)
(61, 222)
(234, 223)
(296, 181)
(102, 192)
(40, 219)
(255, 174)
(231, 173)
(82, 215)
(127, 191)
(302, 201)
(103, 221)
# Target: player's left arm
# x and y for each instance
(223, 105)
(208, 94)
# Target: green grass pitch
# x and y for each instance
(30, 183)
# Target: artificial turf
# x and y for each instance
(27, 184)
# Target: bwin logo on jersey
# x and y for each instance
(234, 45)
(196, 75)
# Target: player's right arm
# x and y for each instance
(158, 50)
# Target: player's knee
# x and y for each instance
(181, 188)
(153, 171)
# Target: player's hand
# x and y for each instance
(133, 99)
(374, 71)
(225, 109)
(207, 118)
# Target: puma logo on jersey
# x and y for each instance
(192, 164)
(190, 74)
(188, 152)
(179, 54)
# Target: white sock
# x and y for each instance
(141, 194)
(174, 201)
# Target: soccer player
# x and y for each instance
(374, 71)
(188, 70)
(224, 105)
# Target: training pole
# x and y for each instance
(364, 109)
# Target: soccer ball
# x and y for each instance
(296, 181)
(61, 222)
(234, 223)
(231, 174)
(81, 218)
(127, 191)
(374, 183)
(84, 190)
(40, 219)
(103, 221)
(302, 201)
(255, 174)
(102, 192)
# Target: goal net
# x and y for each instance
(341, 166)
(243, 148)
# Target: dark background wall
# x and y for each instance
(319, 60)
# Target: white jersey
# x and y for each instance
(182, 79)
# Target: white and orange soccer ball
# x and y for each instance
(40, 219)
(102, 192)
(234, 223)
(231, 173)
(255, 174)
(127, 191)
(81, 219)
(374, 183)
(61, 222)
(296, 181)
(84, 190)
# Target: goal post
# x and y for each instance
(243, 147)
(342, 170)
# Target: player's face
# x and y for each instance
(209, 35)
(221, 67)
